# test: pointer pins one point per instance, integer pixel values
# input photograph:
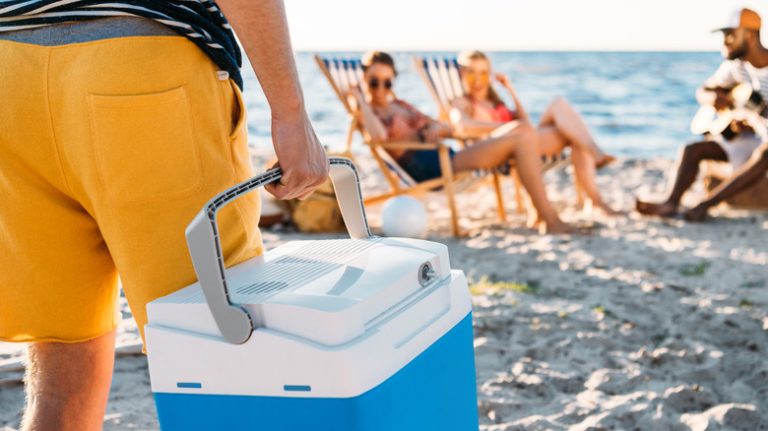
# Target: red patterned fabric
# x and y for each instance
(404, 127)
(502, 114)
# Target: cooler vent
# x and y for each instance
(339, 248)
(262, 287)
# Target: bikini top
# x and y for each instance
(500, 113)
(503, 114)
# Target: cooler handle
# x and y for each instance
(233, 321)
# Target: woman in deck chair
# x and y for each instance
(388, 119)
(482, 113)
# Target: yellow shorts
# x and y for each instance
(108, 149)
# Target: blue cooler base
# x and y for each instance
(436, 391)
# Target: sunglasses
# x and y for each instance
(374, 83)
(476, 76)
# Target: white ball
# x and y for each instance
(404, 216)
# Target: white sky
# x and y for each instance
(326, 25)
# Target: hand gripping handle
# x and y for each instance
(204, 245)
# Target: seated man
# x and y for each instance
(746, 62)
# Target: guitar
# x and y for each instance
(748, 112)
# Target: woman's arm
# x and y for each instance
(436, 131)
(371, 122)
(506, 83)
(467, 127)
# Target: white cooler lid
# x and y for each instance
(328, 291)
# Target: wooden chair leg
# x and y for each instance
(350, 136)
(391, 178)
(350, 139)
(446, 169)
(499, 197)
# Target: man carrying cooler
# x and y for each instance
(119, 120)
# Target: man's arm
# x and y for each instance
(715, 90)
(262, 29)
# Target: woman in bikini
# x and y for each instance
(482, 113)
(387, 119)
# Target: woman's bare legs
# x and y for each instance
(567, 121)
(585, 171)
(551, 141)
(521, 144)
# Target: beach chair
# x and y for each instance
(343, 73)
(441, 75)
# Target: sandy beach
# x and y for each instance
(646, 324)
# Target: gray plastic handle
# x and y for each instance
(234, 322)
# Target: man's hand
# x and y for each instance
(301, 157)
(723, 99)
(263, 31)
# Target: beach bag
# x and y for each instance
(319, 212)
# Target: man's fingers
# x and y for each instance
(276, 190)
(299, 182)
(282, 191)
(287, 191)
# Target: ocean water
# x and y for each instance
(638, 104)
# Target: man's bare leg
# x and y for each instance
(747, 175)
(687, 171)
(68, 385)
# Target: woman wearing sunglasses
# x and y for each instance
(482, 113)
(389, 119)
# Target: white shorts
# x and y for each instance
(740, 148)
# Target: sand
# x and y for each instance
(646, 324)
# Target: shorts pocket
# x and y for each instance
(144, 146)
(238, 111)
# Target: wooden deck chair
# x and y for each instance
(441, 75)
(342, 73)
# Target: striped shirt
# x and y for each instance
(201, 21)
(732, 72)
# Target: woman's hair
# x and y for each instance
(377, 57)
(466, 58)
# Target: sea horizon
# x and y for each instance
(637, 103)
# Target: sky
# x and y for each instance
(514, 25)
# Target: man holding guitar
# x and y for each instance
(746, 63)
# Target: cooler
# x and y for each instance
(365, 333)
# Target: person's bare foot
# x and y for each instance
(697, 213)
(610, 211)
(533, 221)
(557, 227)
(604, 160)
(665, 209)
